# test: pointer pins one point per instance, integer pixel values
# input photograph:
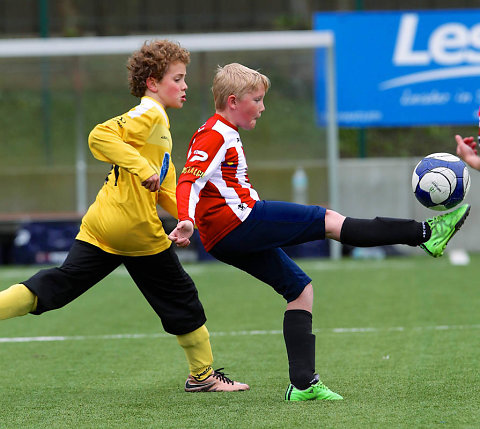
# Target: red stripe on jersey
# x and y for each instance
(214, 190)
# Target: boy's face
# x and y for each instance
(249, 108)
(171, 90)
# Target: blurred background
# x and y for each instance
(48, 104)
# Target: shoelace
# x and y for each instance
(436, 220)
(437, 224)
(217, 373)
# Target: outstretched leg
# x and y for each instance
(431, 235)
(380, 231)
(53, 288)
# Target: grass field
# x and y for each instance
(398, 338)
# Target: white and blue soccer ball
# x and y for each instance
(440, 181)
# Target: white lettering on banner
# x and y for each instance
(431, 75)
(449, 44)
(404, 53)
(430, 98)
(463, 97)
(360, 116)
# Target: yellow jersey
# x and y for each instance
(123, 219)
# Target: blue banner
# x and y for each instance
(403, 68)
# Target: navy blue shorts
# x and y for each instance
(255, 245)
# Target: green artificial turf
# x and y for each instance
(398, 338)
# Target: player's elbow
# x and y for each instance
(94, 138)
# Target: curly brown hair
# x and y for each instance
(153, 59)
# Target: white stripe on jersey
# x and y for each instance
(232, 140)
(200, 183)
(145, 105)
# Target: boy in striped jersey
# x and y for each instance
(122, 225)
(236, 227)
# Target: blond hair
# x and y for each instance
(236, 79)
(153, 59)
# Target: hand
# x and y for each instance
(466, 150)
(152, 183)
(470, 141)
(182, 233)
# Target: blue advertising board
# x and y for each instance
(403, 68)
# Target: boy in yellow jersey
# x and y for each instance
(122, 225)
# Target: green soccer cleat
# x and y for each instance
(317, 391)
(443, 229)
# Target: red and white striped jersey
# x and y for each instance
(214, 191)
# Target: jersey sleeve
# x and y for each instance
(108, 142)
(204, 157)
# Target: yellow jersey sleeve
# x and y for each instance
(108, 143)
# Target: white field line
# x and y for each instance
(234, 333)
(19, 274)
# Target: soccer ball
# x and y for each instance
(440, 181)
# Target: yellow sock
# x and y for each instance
(17, 300)
(196, 345)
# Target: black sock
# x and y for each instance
(382, 231)
(300, 343)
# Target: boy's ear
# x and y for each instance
(232, 101)
(152, 84)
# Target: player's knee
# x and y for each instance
(304, 301)
(333, 224)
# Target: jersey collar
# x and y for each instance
(152, 102)
(222, 119)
